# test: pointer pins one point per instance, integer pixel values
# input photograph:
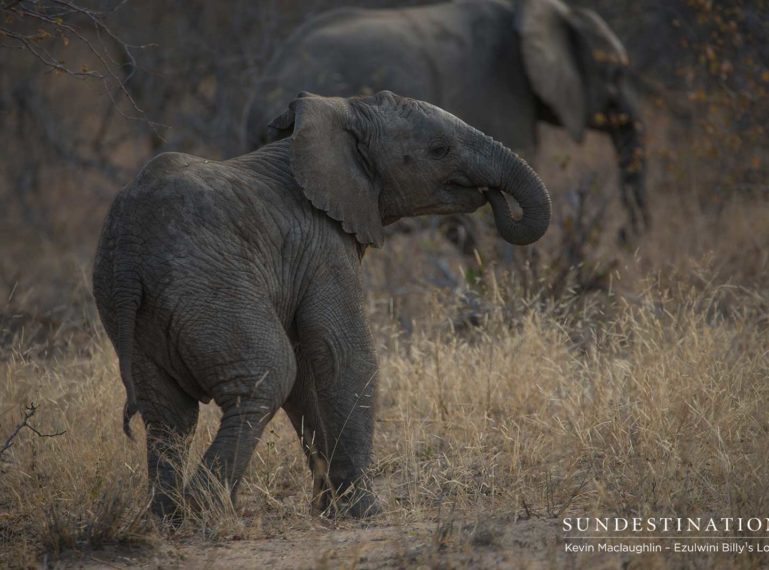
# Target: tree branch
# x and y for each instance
(29, 411)
(51, 14)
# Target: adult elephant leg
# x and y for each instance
(249, 368)
(333, 401)
(170, 417)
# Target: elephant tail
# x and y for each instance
(127, 307)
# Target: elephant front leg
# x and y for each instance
(303, 409)
(332, 404)
(348, 416)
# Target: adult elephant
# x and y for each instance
(499, 65)
(239, 281)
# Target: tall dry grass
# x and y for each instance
(655, 405)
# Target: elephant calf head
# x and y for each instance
(369, 161)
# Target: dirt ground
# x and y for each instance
(497, 542)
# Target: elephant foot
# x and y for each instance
(356, 502)
(167, 510)
(206, 493)
(362, 504)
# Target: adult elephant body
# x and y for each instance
(239, 281)
(502, 66)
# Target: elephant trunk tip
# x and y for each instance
(524, 184)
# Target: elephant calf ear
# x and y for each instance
(326, 164)
(282, 125)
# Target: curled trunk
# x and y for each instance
(510, 174)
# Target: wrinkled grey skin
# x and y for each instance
(499, 65)
(239, 281)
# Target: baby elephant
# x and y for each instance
(240, 281)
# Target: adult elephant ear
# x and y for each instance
(328, 166)
(550, 59)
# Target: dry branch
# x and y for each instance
(29, 411)
(56, 18)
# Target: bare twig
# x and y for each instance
(29, 411)
(51, 14)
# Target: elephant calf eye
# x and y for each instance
(439, 151)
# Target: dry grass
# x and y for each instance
(631, 408)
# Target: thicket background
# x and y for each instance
(87, 95)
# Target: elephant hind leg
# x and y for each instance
(249, 372)
(225, 461)
(170, 416)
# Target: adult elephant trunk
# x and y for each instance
(508, 173)
(625, 127)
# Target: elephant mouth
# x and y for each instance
(463, 184)
(460, 188)
(467, 196)
(460, 195)
(479, 195)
